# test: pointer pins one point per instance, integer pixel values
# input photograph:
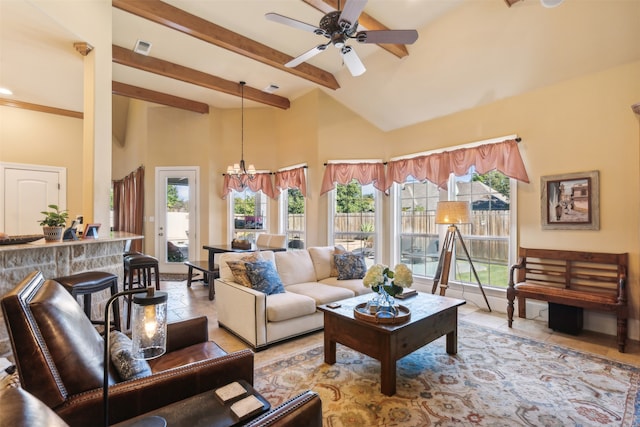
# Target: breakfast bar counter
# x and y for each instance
(56, 259)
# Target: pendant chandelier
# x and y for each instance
(238, 171)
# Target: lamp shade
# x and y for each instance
(149, 331)
(453, 213)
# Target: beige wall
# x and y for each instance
(44, 139)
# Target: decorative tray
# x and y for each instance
(361, 312)
(18, 240)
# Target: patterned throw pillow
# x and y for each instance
(239, 269)
(264, 277)
(337, 250)
(128, 368)
(350, 266)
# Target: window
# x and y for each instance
(293, 219)
(419, 243)
(249, 214)
(488, 239)
(354, 215)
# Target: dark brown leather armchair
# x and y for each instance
(59, 355)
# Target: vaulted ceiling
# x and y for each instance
(469, 53)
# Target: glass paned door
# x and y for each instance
(176, 225)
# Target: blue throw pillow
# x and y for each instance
(264, 277)
(350, 266)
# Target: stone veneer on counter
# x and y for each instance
(56, 259)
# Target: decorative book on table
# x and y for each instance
(247, 407)
(230, 392)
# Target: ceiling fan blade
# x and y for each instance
(307, 55)
(352, 61)
(388, 36)
(281, 19)
(351, 13)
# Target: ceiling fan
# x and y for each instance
(339, 26)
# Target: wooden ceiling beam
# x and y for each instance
(136, 92)
(179, 20)
(189, 75)
(42, 108)
(368, 22)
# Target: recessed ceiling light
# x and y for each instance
(142, 47)
(5, 91)
(271, 88)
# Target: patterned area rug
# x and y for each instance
(495, 380)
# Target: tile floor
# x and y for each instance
(186, 302)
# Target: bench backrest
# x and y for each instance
(587, 271)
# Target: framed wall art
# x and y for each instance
(570, 201)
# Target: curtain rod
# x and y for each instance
(282, 170)
(457, 147)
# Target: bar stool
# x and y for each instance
(88, 283)
(138, 269)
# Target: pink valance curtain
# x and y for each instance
(261, 182)
(128, 205)
(292, 178)
(343, 173)
(503, 156)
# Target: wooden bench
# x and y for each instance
(589, 280)
(209, 274)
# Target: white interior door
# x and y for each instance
(177, 233)
(26, 191)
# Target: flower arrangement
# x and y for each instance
(392, 282)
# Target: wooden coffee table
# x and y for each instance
(432, 316)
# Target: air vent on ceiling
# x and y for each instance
(271, 88)
(142, 47)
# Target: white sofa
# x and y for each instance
(261, 319)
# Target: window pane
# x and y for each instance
(249, 214)
(295, 223)
(177, 229)
(487, 238)
(354, 219)
(419, 245)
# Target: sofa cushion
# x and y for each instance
(321, 293)
(354, 285)
(225, 271)
(127, 366)
(338, 249)
(289, 305)
(239, 268)
(323, 263)
(295, 267)
(264, 277)
(350, 266)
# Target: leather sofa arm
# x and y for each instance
(18, 408)
(187, 332)
(131, 398)
(302, 410)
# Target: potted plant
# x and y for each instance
(53, 223)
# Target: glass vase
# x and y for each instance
(385, 304)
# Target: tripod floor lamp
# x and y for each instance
(451, 214)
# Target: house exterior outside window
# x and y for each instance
(249, 214)
(293, 217)
(490, 238)
(355, 221)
